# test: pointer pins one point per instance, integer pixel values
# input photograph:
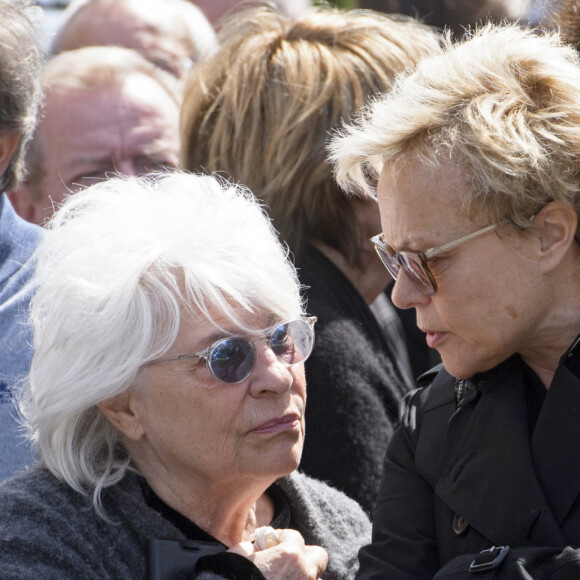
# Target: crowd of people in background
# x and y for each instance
(290, 288)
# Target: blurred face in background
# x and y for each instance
(88, 135)
(159, 30)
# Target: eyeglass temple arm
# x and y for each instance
(201, 354)
(449, 245)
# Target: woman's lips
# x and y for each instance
(434, 337)
(287, 422)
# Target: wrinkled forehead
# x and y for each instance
(417, 198)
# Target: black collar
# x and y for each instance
(282, 513)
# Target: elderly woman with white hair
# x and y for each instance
(477, 156)
(167, 389)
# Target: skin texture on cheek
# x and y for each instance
(511, 310)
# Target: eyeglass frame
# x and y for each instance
(379, 244)
(205, 353)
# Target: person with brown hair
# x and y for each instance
(261, 111)
(565, 15)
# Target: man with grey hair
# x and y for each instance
(106, 110)
(20, 68)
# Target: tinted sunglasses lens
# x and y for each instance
(231, 360)
(414, 267)
(292, 341)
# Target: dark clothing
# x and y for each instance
(354, 387)
(282, 513)
(49, 531)
(476, 464)
(223, 562)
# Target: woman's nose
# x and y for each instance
(270, 376)
(405, 292)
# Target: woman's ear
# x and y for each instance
(122, 411)
(555, 225)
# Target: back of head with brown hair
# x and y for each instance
(263, 108)
(566, 16)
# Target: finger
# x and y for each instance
(266, 537)
(289, 535)
(318, 557)
(243, 549)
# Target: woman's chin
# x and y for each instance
(465, 367)
(287, 461)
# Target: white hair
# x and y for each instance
(121, 262)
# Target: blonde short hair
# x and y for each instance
(504, 104)
(262, 109)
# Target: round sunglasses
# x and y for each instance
(231, 360)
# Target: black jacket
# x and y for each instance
(354, 386)
(466, 471)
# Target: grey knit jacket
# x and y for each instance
(49, 531)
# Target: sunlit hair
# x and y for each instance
(504, 105)
(85, 70)
(262, 109)
(121, 263)
(21, 59)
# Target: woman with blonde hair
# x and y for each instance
(261, 111)
(477, 156)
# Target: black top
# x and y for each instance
(233, 565)
(282, 513)
(354, 384)
(502, 460)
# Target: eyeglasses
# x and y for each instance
(232, 359)
(416, 263)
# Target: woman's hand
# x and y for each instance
(289, 559)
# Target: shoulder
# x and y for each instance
(328, 518)
(35, 498)
(51, 529)
(316, 505)
(29, 484)
(39, 527)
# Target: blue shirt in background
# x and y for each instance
(18, 240)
